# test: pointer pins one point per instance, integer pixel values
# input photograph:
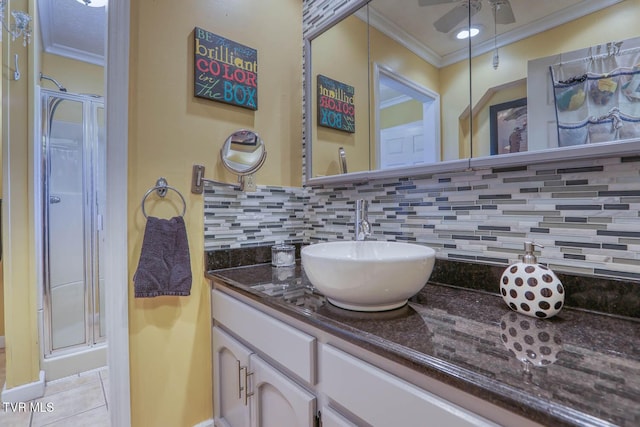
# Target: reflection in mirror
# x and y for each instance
(515, 106)
(405, 42)
(407, 122)
(390, 62)
(339, 98)
(243, 152)
(507, 61)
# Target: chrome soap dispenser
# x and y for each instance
(531, 288)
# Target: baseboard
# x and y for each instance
(2, 342)
(24, 393)
(205, 423)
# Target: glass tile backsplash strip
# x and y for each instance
(270, 215)
(585, 214)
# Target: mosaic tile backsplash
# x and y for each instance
(585, 214)
(234, 219)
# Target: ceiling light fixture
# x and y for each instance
(93, 3)
(21, 26)
(467, 32)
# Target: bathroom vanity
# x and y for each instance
(283, 355)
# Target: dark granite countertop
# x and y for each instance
(578, 368)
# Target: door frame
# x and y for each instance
(430, 107)
(116, 256)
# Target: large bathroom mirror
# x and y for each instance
(443, 103)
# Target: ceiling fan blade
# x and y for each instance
(455, 16)
(504, 13)
(434, 2)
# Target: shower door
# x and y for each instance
(73, 189)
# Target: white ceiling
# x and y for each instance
(73, 30)
(412, 25)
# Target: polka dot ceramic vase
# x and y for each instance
(530, 288)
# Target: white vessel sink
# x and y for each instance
(368, 275)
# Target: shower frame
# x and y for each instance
(92, 219)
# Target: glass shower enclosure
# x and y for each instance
(73, 169)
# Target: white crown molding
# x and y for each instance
(51, 47)
(403, 38)
(78, 55)
(423, 51)
(394, 101)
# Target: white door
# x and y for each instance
(402, 146)
(230, 360)
(277, 401)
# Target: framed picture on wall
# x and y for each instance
(508, 127)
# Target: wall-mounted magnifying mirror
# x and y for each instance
(243, 153)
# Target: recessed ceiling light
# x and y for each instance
(464, 33)
(93, 3)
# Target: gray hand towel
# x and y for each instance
(165, 265)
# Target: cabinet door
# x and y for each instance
(277, 401)
(230, 360)
(331, 418)
(382, 399)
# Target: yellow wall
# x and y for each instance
(482, 120)
(20, 290)
(1, 272)
(170, 130)
(76, 76)
(341, 54)
(401, 114)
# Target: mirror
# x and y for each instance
(243, 152)
(521, 76)
(339, 99)
(456, 82)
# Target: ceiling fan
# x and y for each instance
(466, 8)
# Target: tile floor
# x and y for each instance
(78, 401)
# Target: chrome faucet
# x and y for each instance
(362, 226)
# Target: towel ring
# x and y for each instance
(161, 188)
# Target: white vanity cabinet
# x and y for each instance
(348, 391)
(250, 392)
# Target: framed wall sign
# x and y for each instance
(336, 108)
(225, 71)
(508, 127)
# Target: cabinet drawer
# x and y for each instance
(380, 398)
(290, 347)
